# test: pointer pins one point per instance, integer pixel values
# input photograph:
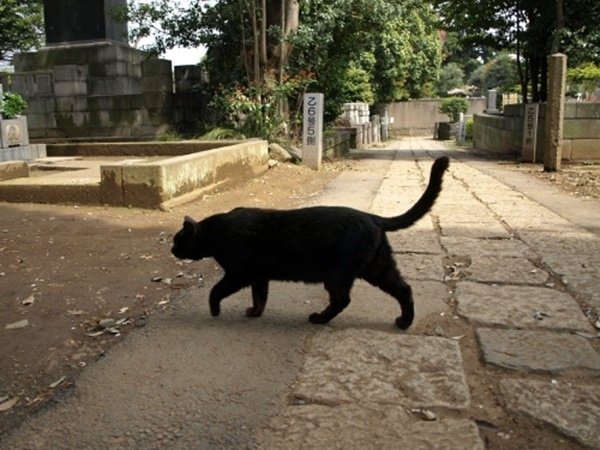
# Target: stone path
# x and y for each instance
(514, 273)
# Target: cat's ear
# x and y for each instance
(189, 224)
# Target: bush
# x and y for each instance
(12, 105)
(453, 106)
(469, 130)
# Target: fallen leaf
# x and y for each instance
(124, 309)
(20, 324)
(29, 300)
(95, 334)
(57, 382)
(74, 312)
(8, 404)
(163, 302)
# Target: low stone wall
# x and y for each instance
(336, 144)
(363, 134)
(503, 133)
(156, 184)
(418, 117)
(150, 148)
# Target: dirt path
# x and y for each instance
(63, 269)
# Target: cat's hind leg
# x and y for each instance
(339, 298)
(260, 292)
(389, 280)
(224, 288)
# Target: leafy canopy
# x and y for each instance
(21, 26)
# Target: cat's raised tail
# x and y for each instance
(424, 203)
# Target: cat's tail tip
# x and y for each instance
(441, 164)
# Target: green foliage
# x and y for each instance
(220, 133)
(169, 137)
(584, 78)
(12, 105)
(453, 106)
(530, 29)
(395, 44)
(469, 130)
(500, 73)
(451, 77)
(255, 111)
(20, 26)
(585, 72)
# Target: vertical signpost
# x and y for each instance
(530, 132)
(312, 136)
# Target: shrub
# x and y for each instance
(12, 105)
(453, 106)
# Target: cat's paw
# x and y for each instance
(403, 322)
(317, 318)
(252, 312)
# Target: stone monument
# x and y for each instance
(88, 82)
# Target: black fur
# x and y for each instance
(332, 245)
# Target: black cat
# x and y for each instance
(332, 245)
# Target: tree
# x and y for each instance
(451, 77)
(21, 26)
(499, 73)
(395, 43)
(393, 46)
(532, 29)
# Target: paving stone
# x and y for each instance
(520, 306)
(365, 427)
(415, 241)
(420, 267)
(537, 350)
(475, 229)
(575, 256)
(460, 245)
(360, 365)
(573, 410)
(505, 269)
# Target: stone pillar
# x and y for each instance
(491, 102)
(555, 111)
(81, 21)
(312, 142)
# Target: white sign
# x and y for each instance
(312, 136)
(530, 123)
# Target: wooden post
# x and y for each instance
(555, 111)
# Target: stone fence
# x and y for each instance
(418, 117)
(503, 133)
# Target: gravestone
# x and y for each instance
(68, 21)
(87, 81)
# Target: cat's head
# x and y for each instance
(188, 242)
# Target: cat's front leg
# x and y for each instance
(224, 288)
(260, 292)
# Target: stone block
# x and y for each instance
(572, 409)
(361, 365)
(156, 68)
(520, 307)
(581, 129)
(12, 169)
(538, 351)
(584, 149)
(14, 132)
(505, 269)
(70, 73)
(364, 427)
(70, 88)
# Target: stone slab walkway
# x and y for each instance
(519, 278)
